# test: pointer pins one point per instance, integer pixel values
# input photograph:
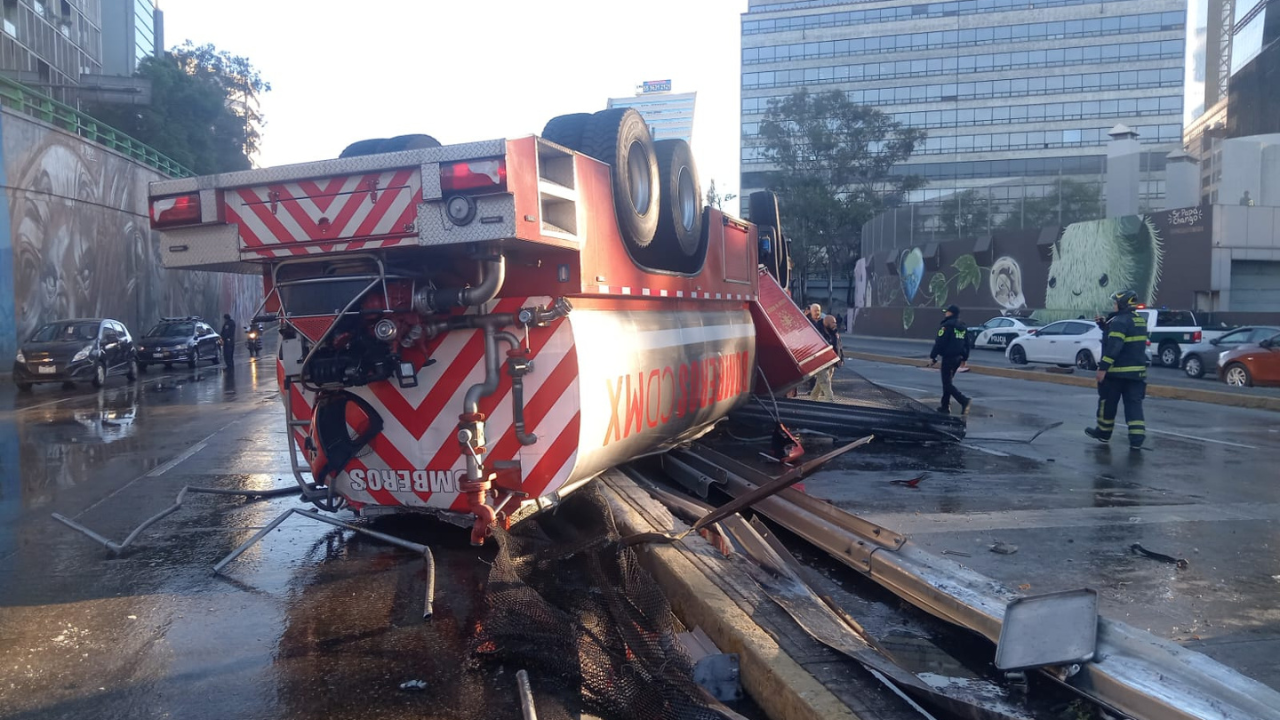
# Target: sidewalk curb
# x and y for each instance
(1161, 391)
(775, 681)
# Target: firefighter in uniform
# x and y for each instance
(1122, 373)
(953, 347)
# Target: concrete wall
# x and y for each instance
(75, 241)
(1241, 233)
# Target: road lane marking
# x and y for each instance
(988, 521)
(1200, 439)
(988, 451)
(902, 387)
(162, 469)
(122, 488)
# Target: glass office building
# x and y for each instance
(1014, 95)
(1232, 70)
(132, 31)
(49, 44)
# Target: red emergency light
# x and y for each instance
(490, 174)
(176, 210)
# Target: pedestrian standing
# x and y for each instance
(814, 314)
(1122, 372)
(228, 333)
(953, 347)
(822, 382)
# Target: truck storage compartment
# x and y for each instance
(788, 348)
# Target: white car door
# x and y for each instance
(1037, 346)
(1076, 337)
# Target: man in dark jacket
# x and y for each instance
(228, 333)
(953, 347)
(1122, 372)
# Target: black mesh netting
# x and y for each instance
(566, 602)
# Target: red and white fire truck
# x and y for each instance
(482, 328)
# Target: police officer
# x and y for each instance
(1122, 373)
(952, 346)
(228, 333)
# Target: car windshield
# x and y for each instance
(171, 330)
(66, 332)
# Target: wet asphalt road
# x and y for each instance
(981, 356)
(1206, 491)
(309, 623)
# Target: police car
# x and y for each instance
(998, 332)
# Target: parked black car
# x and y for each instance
(68, 351)
(185, 339)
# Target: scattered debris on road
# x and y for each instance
(414, 685)
(912, 483)
(1137, 549)
(1004, 548)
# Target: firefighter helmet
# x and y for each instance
(1126, 299)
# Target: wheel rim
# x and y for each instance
(1082, 361)
(1193, 367)
(687, 197)
(639, 176)
(1235, 376)
(1168, 356)
(1018, 355)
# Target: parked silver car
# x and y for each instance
(1202, 358)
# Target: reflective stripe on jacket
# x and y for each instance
(1124, 346)
(951, 340)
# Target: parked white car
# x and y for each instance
(998, 332)
(1065, 343)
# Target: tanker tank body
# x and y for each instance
(466, 329)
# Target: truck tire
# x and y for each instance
(763, 207)
(362, 147)
(680, 202)
(408, 142)
(566, 130)
(621, 139)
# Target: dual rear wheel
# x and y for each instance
(656, 191)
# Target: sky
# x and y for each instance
(471, 70)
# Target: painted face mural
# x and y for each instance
(1005, 281)
(1095, 259)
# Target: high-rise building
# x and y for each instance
(669, 115)
(50, 44)
(1015, 96)
(1232, 72)
(132, 30)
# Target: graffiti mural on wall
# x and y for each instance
(82, 245)
(1163, 256)
(1094, 259)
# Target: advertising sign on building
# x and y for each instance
(656, 86)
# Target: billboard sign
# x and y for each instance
(655, 86)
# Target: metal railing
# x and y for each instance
(19, 97)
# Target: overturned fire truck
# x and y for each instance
(482, 328)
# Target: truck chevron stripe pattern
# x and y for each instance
(354, 212)
(416, 459)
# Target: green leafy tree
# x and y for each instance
(834, 163)
(1070, 201)
(204, 109)
(965, 213)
